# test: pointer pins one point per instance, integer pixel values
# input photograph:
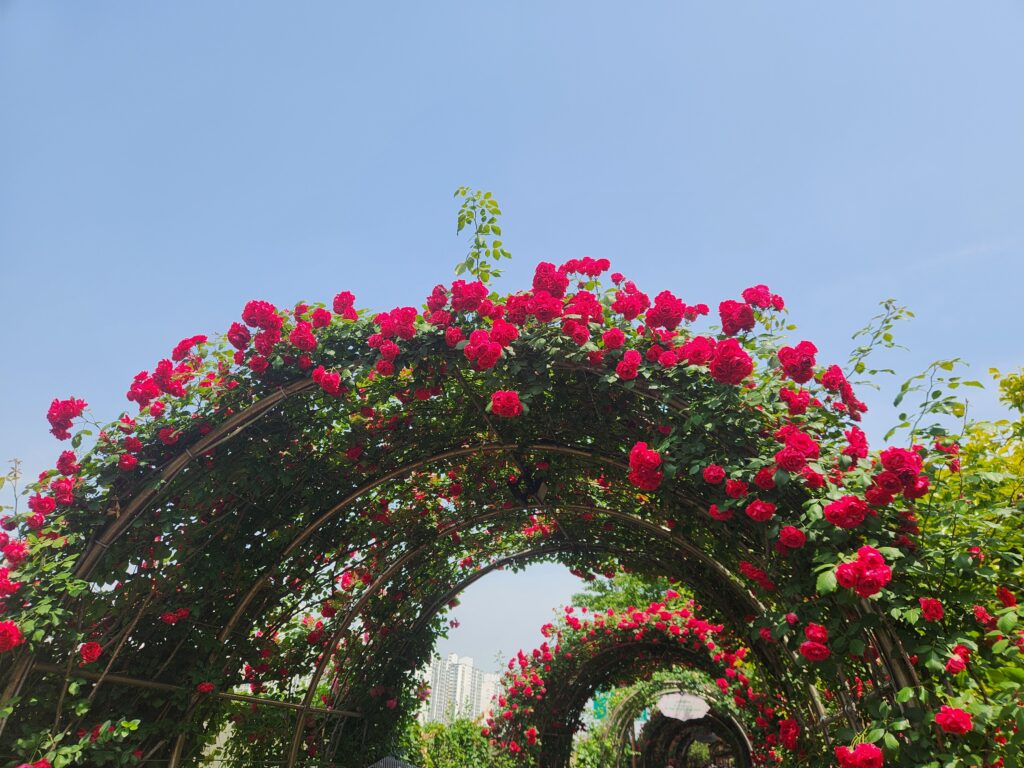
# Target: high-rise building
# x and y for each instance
(457, 690)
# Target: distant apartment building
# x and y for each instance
(457, 690)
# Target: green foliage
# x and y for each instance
(623, 591)
(456, 745)
(480, 212)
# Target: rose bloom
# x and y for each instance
(956, 664)
(862, 756)
(506, 403)
(90, 652)
(816, 633)
(714, 474)
(761, 511)
(813, 651)
(735, 489)
(847, 512)
(931, 609)
(10, 636)
(792, 537)
(953, 720)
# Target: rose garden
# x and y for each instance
(259, 554)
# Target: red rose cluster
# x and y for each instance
(815, 647)
(643, 467)
(847, 512)
(867, 575)
(798, 362)
(60, 415)
(834, 380)
(901, 475)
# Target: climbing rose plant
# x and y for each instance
(870, 586)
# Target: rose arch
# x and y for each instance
(258, 557)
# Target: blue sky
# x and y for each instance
(160, 164)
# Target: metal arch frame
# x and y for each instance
(235, 425)
(584, 680)
(625, 713)
(673, 541)
(674, 731)
(384, 578)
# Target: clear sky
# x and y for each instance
(162, 163)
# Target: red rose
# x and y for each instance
(698, 350)
(258, 363)
(761, 511)
(667, 311)
(66, 464)
(790, 459)
(953, 720)
(931, 609)
(789, 732)
(736, 489)
(847, 512)
(261, 314)
(765, 478)
(736, 317)
(184, 347)
(862, 756)
(127, 462)
(816, 633)
(813, 651)
(302, 336)
(548, 278)
(792, 537)
(866, 575)
(89, 652)
(506, 403)
(10, 636)
(730, 364)
(643, 465)
(42, 505)
(205, 687)
(239, 336)
(714, 474)
(719, 514)
(629, 366)
(630, 302)
(798, 362)
(796, 402)
(906, 464)
(613, 338)
(60, 415)
(16, 551)
(956, 664)
(1006, 597)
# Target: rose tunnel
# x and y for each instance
(262, 555)
(666, 738)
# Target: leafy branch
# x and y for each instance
(480, 212)
(878, 334)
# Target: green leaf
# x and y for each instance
(826, 582)
(905, 694)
